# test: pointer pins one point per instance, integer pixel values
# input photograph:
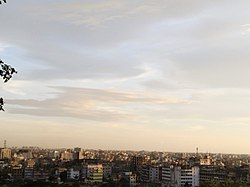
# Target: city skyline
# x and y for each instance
(127, 75)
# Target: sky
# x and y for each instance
(127, 74)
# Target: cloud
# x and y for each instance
(107, 43)
(90, 104)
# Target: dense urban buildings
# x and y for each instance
(78, 167)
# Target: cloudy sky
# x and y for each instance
(127, 74)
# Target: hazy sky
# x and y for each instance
(127, 74)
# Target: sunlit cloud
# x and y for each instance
(91, 104)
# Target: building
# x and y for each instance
(196, 176)
(17, 172)
(190, 176)
(66, 155)
(136, 162)
(92, 173)
(5, 153)
(150, 173)
(167, 176)
(206, 161)
(217, 173)
(129, 179)
(107, 171)
(78, 153)
(28, 173)
(154, 174)
(96, 177)
(144, 173)
(177, 176)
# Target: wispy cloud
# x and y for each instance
(90, 104)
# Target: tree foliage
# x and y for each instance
(6, 72)
(226, 183)
(2, 1)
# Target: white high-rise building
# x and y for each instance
(177, 176)
(154, 174)
(196, 176)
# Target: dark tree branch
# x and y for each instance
(6, 72)
(3, 1)
(1, 104)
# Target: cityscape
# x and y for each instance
(124, 93)
(35, 166)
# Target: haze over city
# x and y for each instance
(127, 75)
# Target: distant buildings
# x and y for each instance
(206, 161)
(124, 168)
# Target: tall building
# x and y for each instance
(190, 176)
(150, 173)
(107, 170)
(144, 173)
(136, 162)
(177, 176)
(155, 174)
(167, 175)
(5, 153)
(78, 153)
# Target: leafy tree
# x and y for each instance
(211, 183)
(6, 72)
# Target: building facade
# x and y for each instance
(177, 176)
